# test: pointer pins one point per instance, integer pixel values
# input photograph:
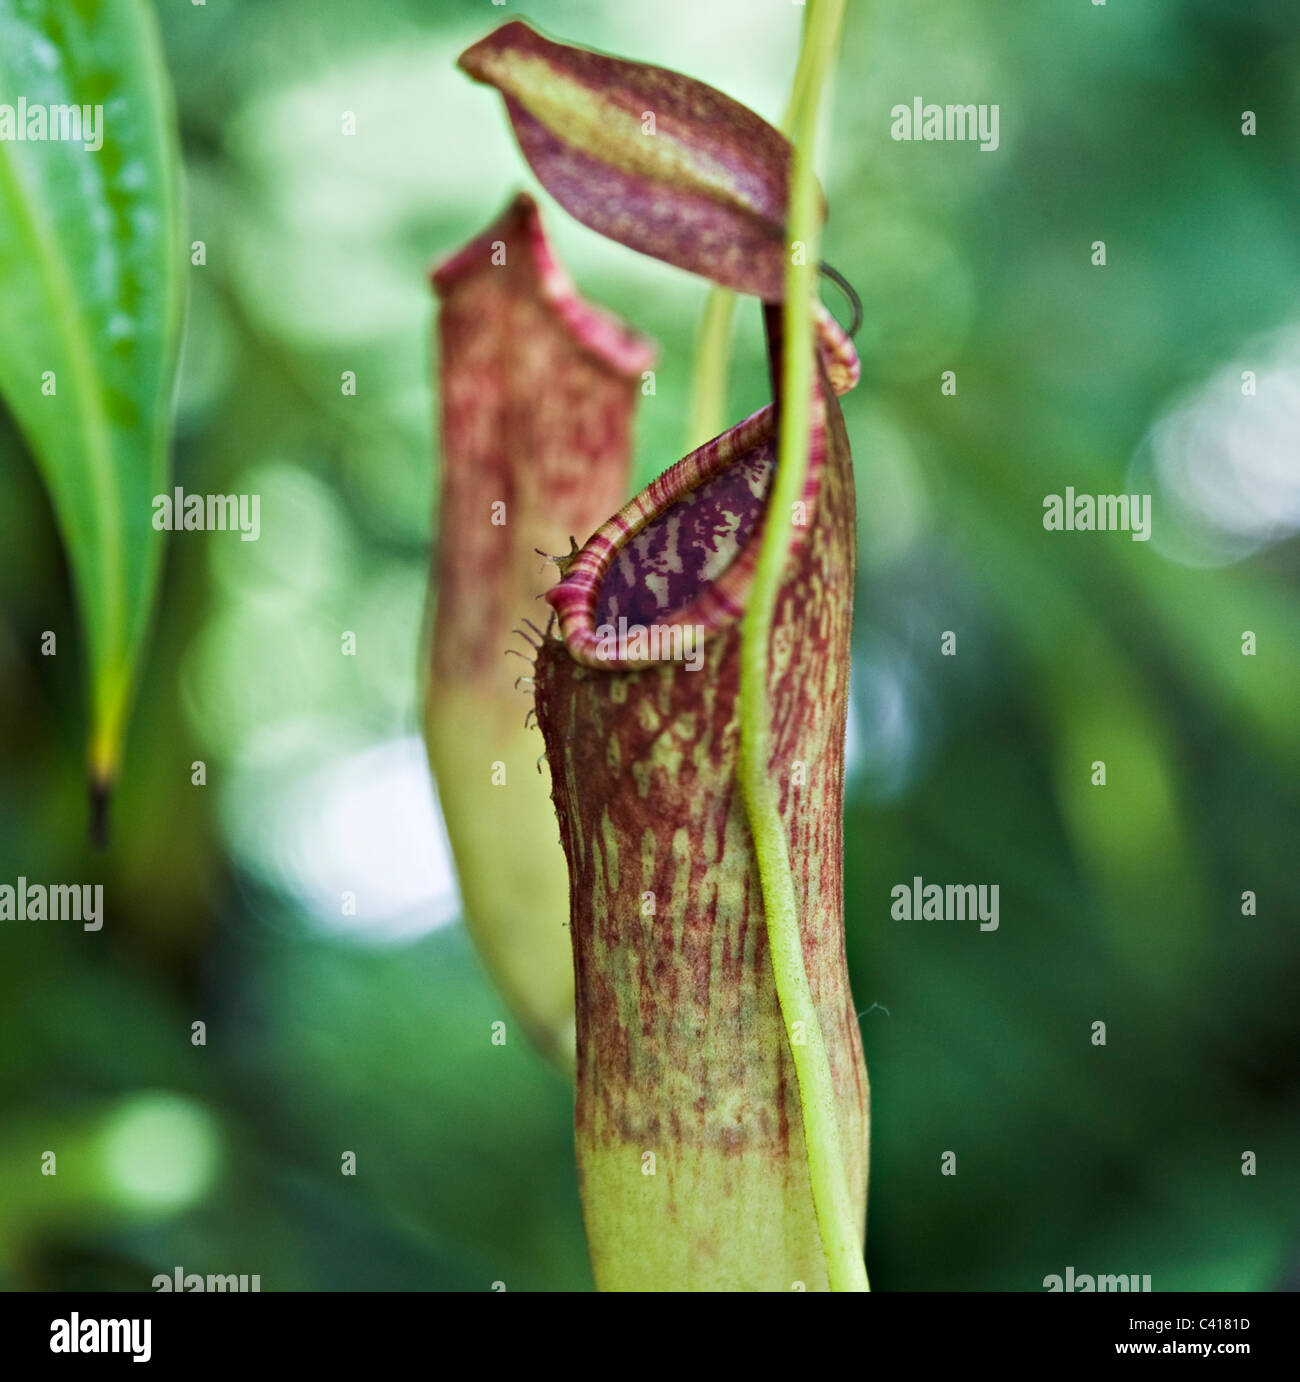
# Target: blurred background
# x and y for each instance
(329, 1033)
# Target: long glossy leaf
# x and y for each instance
(89, 306)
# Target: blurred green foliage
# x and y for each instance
(328, 1033)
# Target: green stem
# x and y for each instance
(832, 1202)
(712, 354)
(708, 413)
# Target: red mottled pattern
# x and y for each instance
(669, 563)
(537, 394)
(707, 190)
(680, 1039)
(689, 229)
(642, 527)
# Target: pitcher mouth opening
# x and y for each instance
(679, 558)
(677, 561)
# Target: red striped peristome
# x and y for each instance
(520, 227)
(691, 1157)
(537, 389)
(577, 599)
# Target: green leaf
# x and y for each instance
(89, 308)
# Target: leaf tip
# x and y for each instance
(479, 59)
